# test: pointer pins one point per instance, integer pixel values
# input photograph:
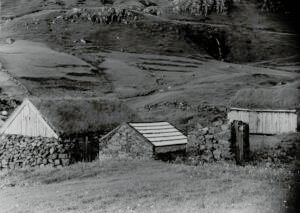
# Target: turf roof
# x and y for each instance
(281, 98)
(77, 116)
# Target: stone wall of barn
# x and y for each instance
(125, 142)
(18, 151)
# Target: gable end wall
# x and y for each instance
(28, 121)
(126, 142)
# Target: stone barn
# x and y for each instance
(58, 131)
(144, 140)
(267, 111)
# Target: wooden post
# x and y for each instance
(240, 141)
(86, 152)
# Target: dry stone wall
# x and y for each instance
(18, 152)
(210, 144)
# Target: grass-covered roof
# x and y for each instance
(80, 115)
(261, 98)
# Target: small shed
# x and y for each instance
(143, 140)
(80, 120)
(267, 111)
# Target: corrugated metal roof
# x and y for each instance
(160, 133)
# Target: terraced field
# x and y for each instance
(143, 81)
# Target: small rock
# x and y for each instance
(4, 113)
(57, 162)
(217, 154)
(225, 135)
(202, 147)
(63, 156)
(65, 162)
(204, 130)
(218, 123)
(225, 127)
(223, 142)
(52, 150)
(9, 40)
(54, 156)
(199, 126)
(83, 41)
(209, 136)
(206, 157)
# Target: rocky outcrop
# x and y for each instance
(202, 7)
(103, 15)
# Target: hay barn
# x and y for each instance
(82, 121)
(147, 140)
(266, 111)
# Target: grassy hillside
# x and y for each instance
(243, 27)
(167, 65)
(113, 185)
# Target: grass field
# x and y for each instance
(124, 185)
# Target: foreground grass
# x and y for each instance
(146, 186)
